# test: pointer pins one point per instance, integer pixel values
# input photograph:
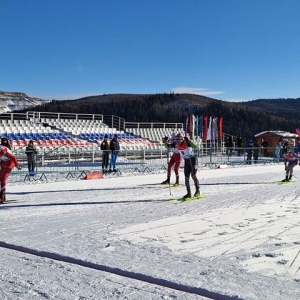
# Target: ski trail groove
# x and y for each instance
(131, 275)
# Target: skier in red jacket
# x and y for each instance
(8, 162)
(176, 158)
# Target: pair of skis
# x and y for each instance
(184, 200)
(180, 200)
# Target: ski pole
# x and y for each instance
(170, 187)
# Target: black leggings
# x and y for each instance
(190, 169)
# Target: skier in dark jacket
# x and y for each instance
(104, 146)
(114, 147)
(185, 148)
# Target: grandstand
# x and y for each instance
(68, 131)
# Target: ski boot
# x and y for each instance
(167, 181)
(285, 179)
(290, 178)
(188, 195)
(197, 193)
(176, 183)
(2, 197)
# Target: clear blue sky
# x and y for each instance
(225, 49)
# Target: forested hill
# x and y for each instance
(286, 108)
(246, 119)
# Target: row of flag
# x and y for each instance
(206, 128)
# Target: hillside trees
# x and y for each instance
(238, 119)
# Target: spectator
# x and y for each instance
(114, 147)
(230, 145)
(256, 152)
(278, 151)
(104, 146)
(249, 151)
(239, 145)
(265, 145)
(285, 147)
(31, 153)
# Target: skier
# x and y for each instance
(104, 146)
(5, 142)
(175, 160)
(185, 148)
(290, 161)
(8, 162)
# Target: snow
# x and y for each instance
(119, 237)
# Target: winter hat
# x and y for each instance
(4, 140)
(106, 136)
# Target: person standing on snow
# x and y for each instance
(104, 146)
(185, 148)
(175, 160)
(114, 147)
(31, 153)
(249, 151)
(290, 161)
(277, 151)
(8, 162)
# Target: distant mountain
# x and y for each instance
(10, 101)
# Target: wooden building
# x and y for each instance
(273, 137)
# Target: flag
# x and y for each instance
(209, 129)
(186, 125)
(205, 128)
(200, 127)
(221, 128)
(298, 131)
(216, 129)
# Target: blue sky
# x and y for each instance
(232, 50)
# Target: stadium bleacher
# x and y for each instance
(74, 132)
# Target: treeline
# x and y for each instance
(239, 118)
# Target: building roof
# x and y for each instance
(277, 133)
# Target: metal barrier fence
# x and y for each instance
(76, 163)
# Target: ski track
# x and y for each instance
(120, 272)
(242, 230)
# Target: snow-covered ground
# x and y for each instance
(120, 238)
